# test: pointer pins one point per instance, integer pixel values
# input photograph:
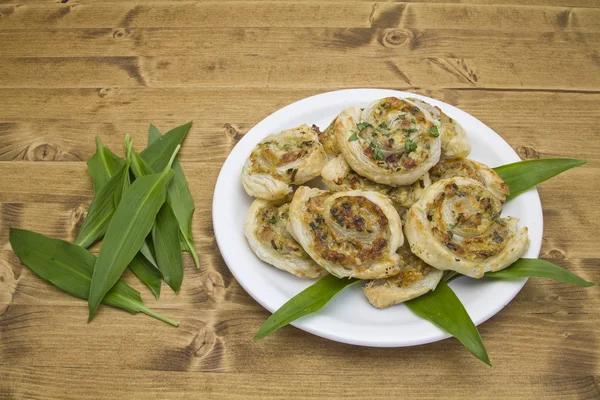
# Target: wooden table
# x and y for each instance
(74, 69)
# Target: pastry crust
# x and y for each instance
(468, 168)
(266, 232)
(453, 135)
(415, 279)
(327, 139)
(350, 234)
(391, 142)
(290, 157)
(338, 176)
(456, 225)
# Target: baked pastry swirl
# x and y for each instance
(392, 141)
(266, 232)
(338, 176)
(350, 234)
(415, 279)
(468, 168)
(291, 157)
(453, 135)
(456, 225)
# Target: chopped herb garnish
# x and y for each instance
(377, 153)
(401, 117)
(433, 131)
(411, 130)
(353, 137)
(383, 125)
(410, 145)
(272, 220)
(363, 125)
(452, 226)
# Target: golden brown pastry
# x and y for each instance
(392, 141)
(456, 225)
(338, 176)
(453, 135)
(350, 234)
(291, 157)
(266, 232)
(468, 168)
(415, 279)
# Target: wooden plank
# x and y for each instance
(300, 14)
(21, 382)
(566, 71)
(270, 43)
(219, 341)
(543, 3)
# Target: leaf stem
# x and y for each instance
(158, 316)
(172, 159)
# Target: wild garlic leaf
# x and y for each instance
(180, 199)
(100, 212)
(443, 308)
(132, 221)
(157, 153)
(69, 267)
(147, 273)
(308, 301)
(533, 267)
(523, 175)
(165, 236)
(103, 165)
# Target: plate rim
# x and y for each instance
(307, 323)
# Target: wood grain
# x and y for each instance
(72, 70)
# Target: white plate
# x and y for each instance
(349, 318)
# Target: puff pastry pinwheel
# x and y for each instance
(453, 135)
(266, 232)
(291, 157)
(468, 168)
(415, 279)
(456, 225)
(338, 176)
(327, 139)
(392, 141)
(350, 234)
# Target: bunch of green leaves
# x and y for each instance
(441, 306)
(142, 208)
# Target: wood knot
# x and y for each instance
(120, 34)
(104, 92)
(214, 285)
(232, 133)
(203, 342)
(527, 153)
(397, 38)
(42, 152)
(555, 254)
(8, 285)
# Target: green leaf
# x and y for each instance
(153, 134)
(100, 212)
(158, 153)
(442, 308)
(180, 199)
(433, 131)
(165, 236)
(132, 221)
(523, 175)
(147, 273)
(103, 165)
(533, 267)
(125, 182)
(308, 301)
(353, 137)
(69, 267)
(363, 125)
(147, 251)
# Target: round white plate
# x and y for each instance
(349, 317)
